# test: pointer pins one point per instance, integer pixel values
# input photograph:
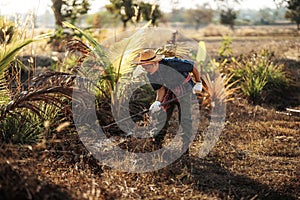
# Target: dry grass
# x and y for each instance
(243, 31)
(256, 157)
(283, 40)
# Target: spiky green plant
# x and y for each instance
(258, 72)
(116, 61)
(21, 128)
(254, 81)
(225, 50)
(50, 91)
(22, 111)
(218, 87)
(7, 56)
(111, 68)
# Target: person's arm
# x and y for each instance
(160, 93)
(156, 105)
(196, 74)
(198, 86)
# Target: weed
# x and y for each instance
(257, 73)
(24, 107)
(225, 50)
(25, 128)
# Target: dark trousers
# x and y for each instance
(185, 121)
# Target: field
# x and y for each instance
(256, 157)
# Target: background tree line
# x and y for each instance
(133, 11)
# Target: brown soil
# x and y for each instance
(256, 157)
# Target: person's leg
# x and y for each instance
(185, 120)
(162, 119)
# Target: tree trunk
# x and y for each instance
(56, 7)
(231, 26)
(125, 24)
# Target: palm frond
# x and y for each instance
(4, 93)
(49, 88)
(116, 61)
(98, 50)
(123, 52)
(7, 56)
(78, 47)
(220, 89)
(174, 50)
(12, 49)
(10, 52)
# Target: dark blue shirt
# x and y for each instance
(171, 73)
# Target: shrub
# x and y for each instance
(23, 110)
(257, 73)
(21, 129)
(225, 50)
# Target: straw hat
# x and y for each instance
(147, 55)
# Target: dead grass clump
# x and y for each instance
(265, 31)
(249, 32)
(216, 30)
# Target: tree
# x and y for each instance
(155, 15)
(133, 11)
(102, 19)
(266, 16)
(294, 12)
(227, 17)
(148, 12)
(176, 15)
(56, 7)
(126, 9)
(66, 10)
(199, 15)
(69, 10)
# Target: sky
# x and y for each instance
(10, 7)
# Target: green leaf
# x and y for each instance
(123, 52)
(8, 55)
(201, 53)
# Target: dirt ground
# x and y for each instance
(256, 157)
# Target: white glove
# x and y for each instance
(155, 107)
(197, 88)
